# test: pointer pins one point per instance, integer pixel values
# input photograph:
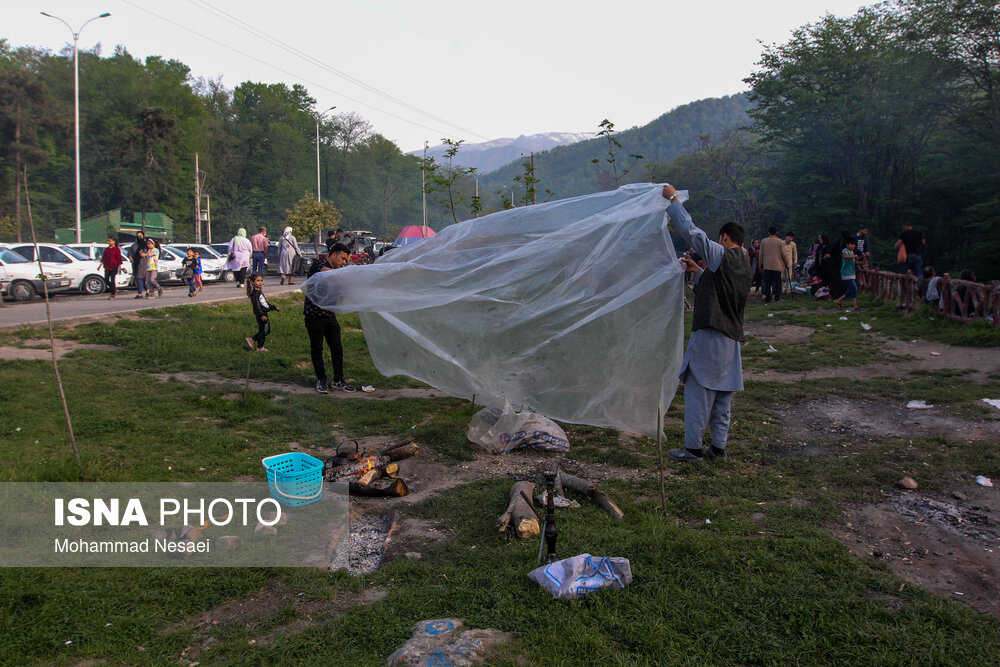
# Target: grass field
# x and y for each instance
(741, 570)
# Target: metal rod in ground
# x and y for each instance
(473, 404)
(48, 317)
(246, 385)
(659, 447)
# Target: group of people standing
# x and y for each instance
(772, 264)
(251, 255)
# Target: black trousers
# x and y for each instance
(772, 285)
(263, 328)
(241, 275)
(320, 329)
(109, 280)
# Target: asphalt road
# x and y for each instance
(74, 306)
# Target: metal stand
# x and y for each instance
(550, 533)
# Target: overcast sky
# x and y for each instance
(454, 68)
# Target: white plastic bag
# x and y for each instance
(574, 577)
(500, 431)
(572, 309)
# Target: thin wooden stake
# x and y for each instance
(473, 404)
(659, 447)
(48, 316)
(246, 385)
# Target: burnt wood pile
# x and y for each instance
(371, 473)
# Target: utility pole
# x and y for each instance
(197, 201)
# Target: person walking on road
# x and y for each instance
(189, 268)
(323, 325)
(713, 367)
(112, 261)
(239, 256)
(151, 257)
(259, 244)
(138, 265)
(288, 252)
(772, 259)
(198, 270)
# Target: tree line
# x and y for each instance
(887, 116)
(142, 122)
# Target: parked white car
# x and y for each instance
(211, 262)
(21, 279)
(85, 274)
(95, 251)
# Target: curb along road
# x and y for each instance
(68, 308)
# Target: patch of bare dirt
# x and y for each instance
(839, 417)
(947, 545)
(910, 355)
(279, 388)
(778, 332)
(258, 610)
(38, 349)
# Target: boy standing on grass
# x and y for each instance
(848, 273)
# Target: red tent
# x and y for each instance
(412, 233)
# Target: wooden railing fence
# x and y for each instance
(961, 300)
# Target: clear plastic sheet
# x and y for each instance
(572, 309)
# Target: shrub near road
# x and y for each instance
(745, 569)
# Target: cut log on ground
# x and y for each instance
(593, 491)
(519, 513)
(369, 477)
(401, 450)
(380, 488)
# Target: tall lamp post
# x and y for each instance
(76, 102)
(318, 118)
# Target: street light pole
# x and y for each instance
(76, 103)
(318, 117)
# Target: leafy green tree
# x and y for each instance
(444, 178)
(308, 218)
(23, 105)
(847, 109)
(528, 180)
(149, 159)
(723, 176)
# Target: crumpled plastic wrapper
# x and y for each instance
(572, 309)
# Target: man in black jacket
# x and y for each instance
(322, 324)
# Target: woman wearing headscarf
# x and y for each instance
(239, 255)
(288, 250)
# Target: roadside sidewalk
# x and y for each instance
(82, 308)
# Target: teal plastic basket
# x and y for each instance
(294, 478)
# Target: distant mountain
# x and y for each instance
(490, 155)
(568, 171)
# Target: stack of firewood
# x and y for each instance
(372, 473)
